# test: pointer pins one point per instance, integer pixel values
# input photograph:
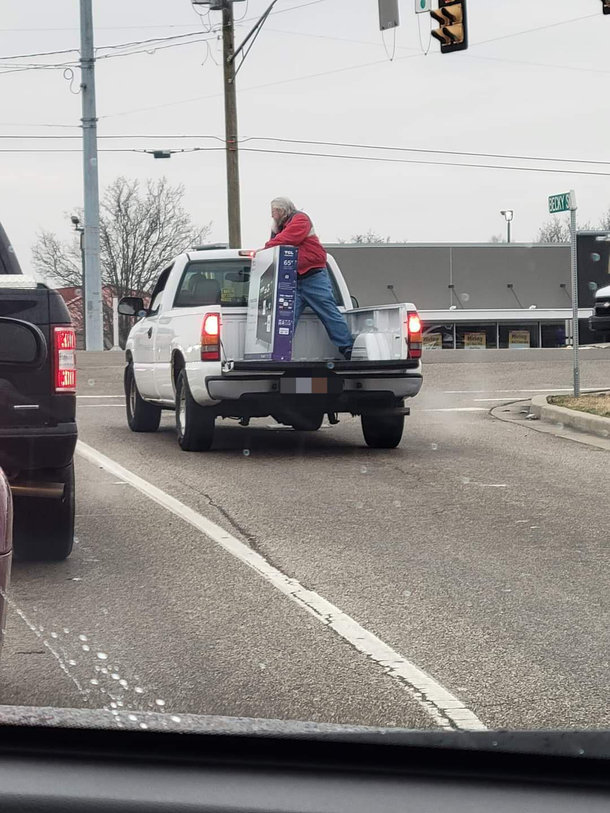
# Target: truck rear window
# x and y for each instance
(214, 282)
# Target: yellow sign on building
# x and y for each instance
(433, 340)
(519, 340)
(475, 341)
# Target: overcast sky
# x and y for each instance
(319, 73)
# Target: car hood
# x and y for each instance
(590, 743)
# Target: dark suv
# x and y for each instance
(37, 410)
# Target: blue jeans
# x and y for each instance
(316, 291)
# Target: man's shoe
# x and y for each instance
(347, 354)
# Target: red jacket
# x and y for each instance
(299, 231)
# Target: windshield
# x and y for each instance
(321, 431)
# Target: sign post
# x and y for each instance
(563, 203)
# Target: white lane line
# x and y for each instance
(122, 395)
(445, 709)
(548, 389)
(455, 409)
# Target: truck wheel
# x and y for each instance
(44, 528)
(307, 423)
(141, 416)
(383, 432)
(194, 424)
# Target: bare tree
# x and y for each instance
(141, 231)
(555, 230)
(369, 238)
(604, 221)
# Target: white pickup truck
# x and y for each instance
(186, 353)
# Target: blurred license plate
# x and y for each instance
(306, 386)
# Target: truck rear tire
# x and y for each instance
(195, 424)
(382, 432)
(141, 416)
(44, 528)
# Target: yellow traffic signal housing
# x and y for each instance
(453, 31)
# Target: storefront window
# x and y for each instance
(519, 336)
(554, 335)
(438, 337)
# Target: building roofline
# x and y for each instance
(447, 245)
(501, 314)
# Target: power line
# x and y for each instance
(154, 48)
(108, 149)
(101, 28)
(335, 39)
(379, 159)
(533, 30)
(121, 45)
(254, 87)
(427, 163)
(116, 46)
(32, 124)
(342, 144)
(537, 64)
(40, 53)
(384, 147)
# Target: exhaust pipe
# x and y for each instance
(45, 491)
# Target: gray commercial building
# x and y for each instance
(471, 295)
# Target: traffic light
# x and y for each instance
(606, 6)
(453, 31)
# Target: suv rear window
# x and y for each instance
(214, 282)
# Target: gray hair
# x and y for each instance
(284, 205)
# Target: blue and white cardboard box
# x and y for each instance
(271, 304)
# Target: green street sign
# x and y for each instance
(559, 203)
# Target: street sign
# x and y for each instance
(560, 203)
(423, 5)
(566, 202)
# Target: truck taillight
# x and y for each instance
(414, 335)
(210, 337)
(64, 359)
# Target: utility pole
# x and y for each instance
(94, 324)
(228, 42)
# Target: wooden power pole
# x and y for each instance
(233, 197)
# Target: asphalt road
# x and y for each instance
(478, 551)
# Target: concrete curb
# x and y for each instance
(594, 424)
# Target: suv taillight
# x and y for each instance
(210, 337)
(64, 359)
(414, 335)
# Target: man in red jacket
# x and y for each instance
(294, 228)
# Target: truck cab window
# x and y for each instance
(214, 282)
(157, 294)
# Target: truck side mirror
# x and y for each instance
(355, 303)
(131, 306)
